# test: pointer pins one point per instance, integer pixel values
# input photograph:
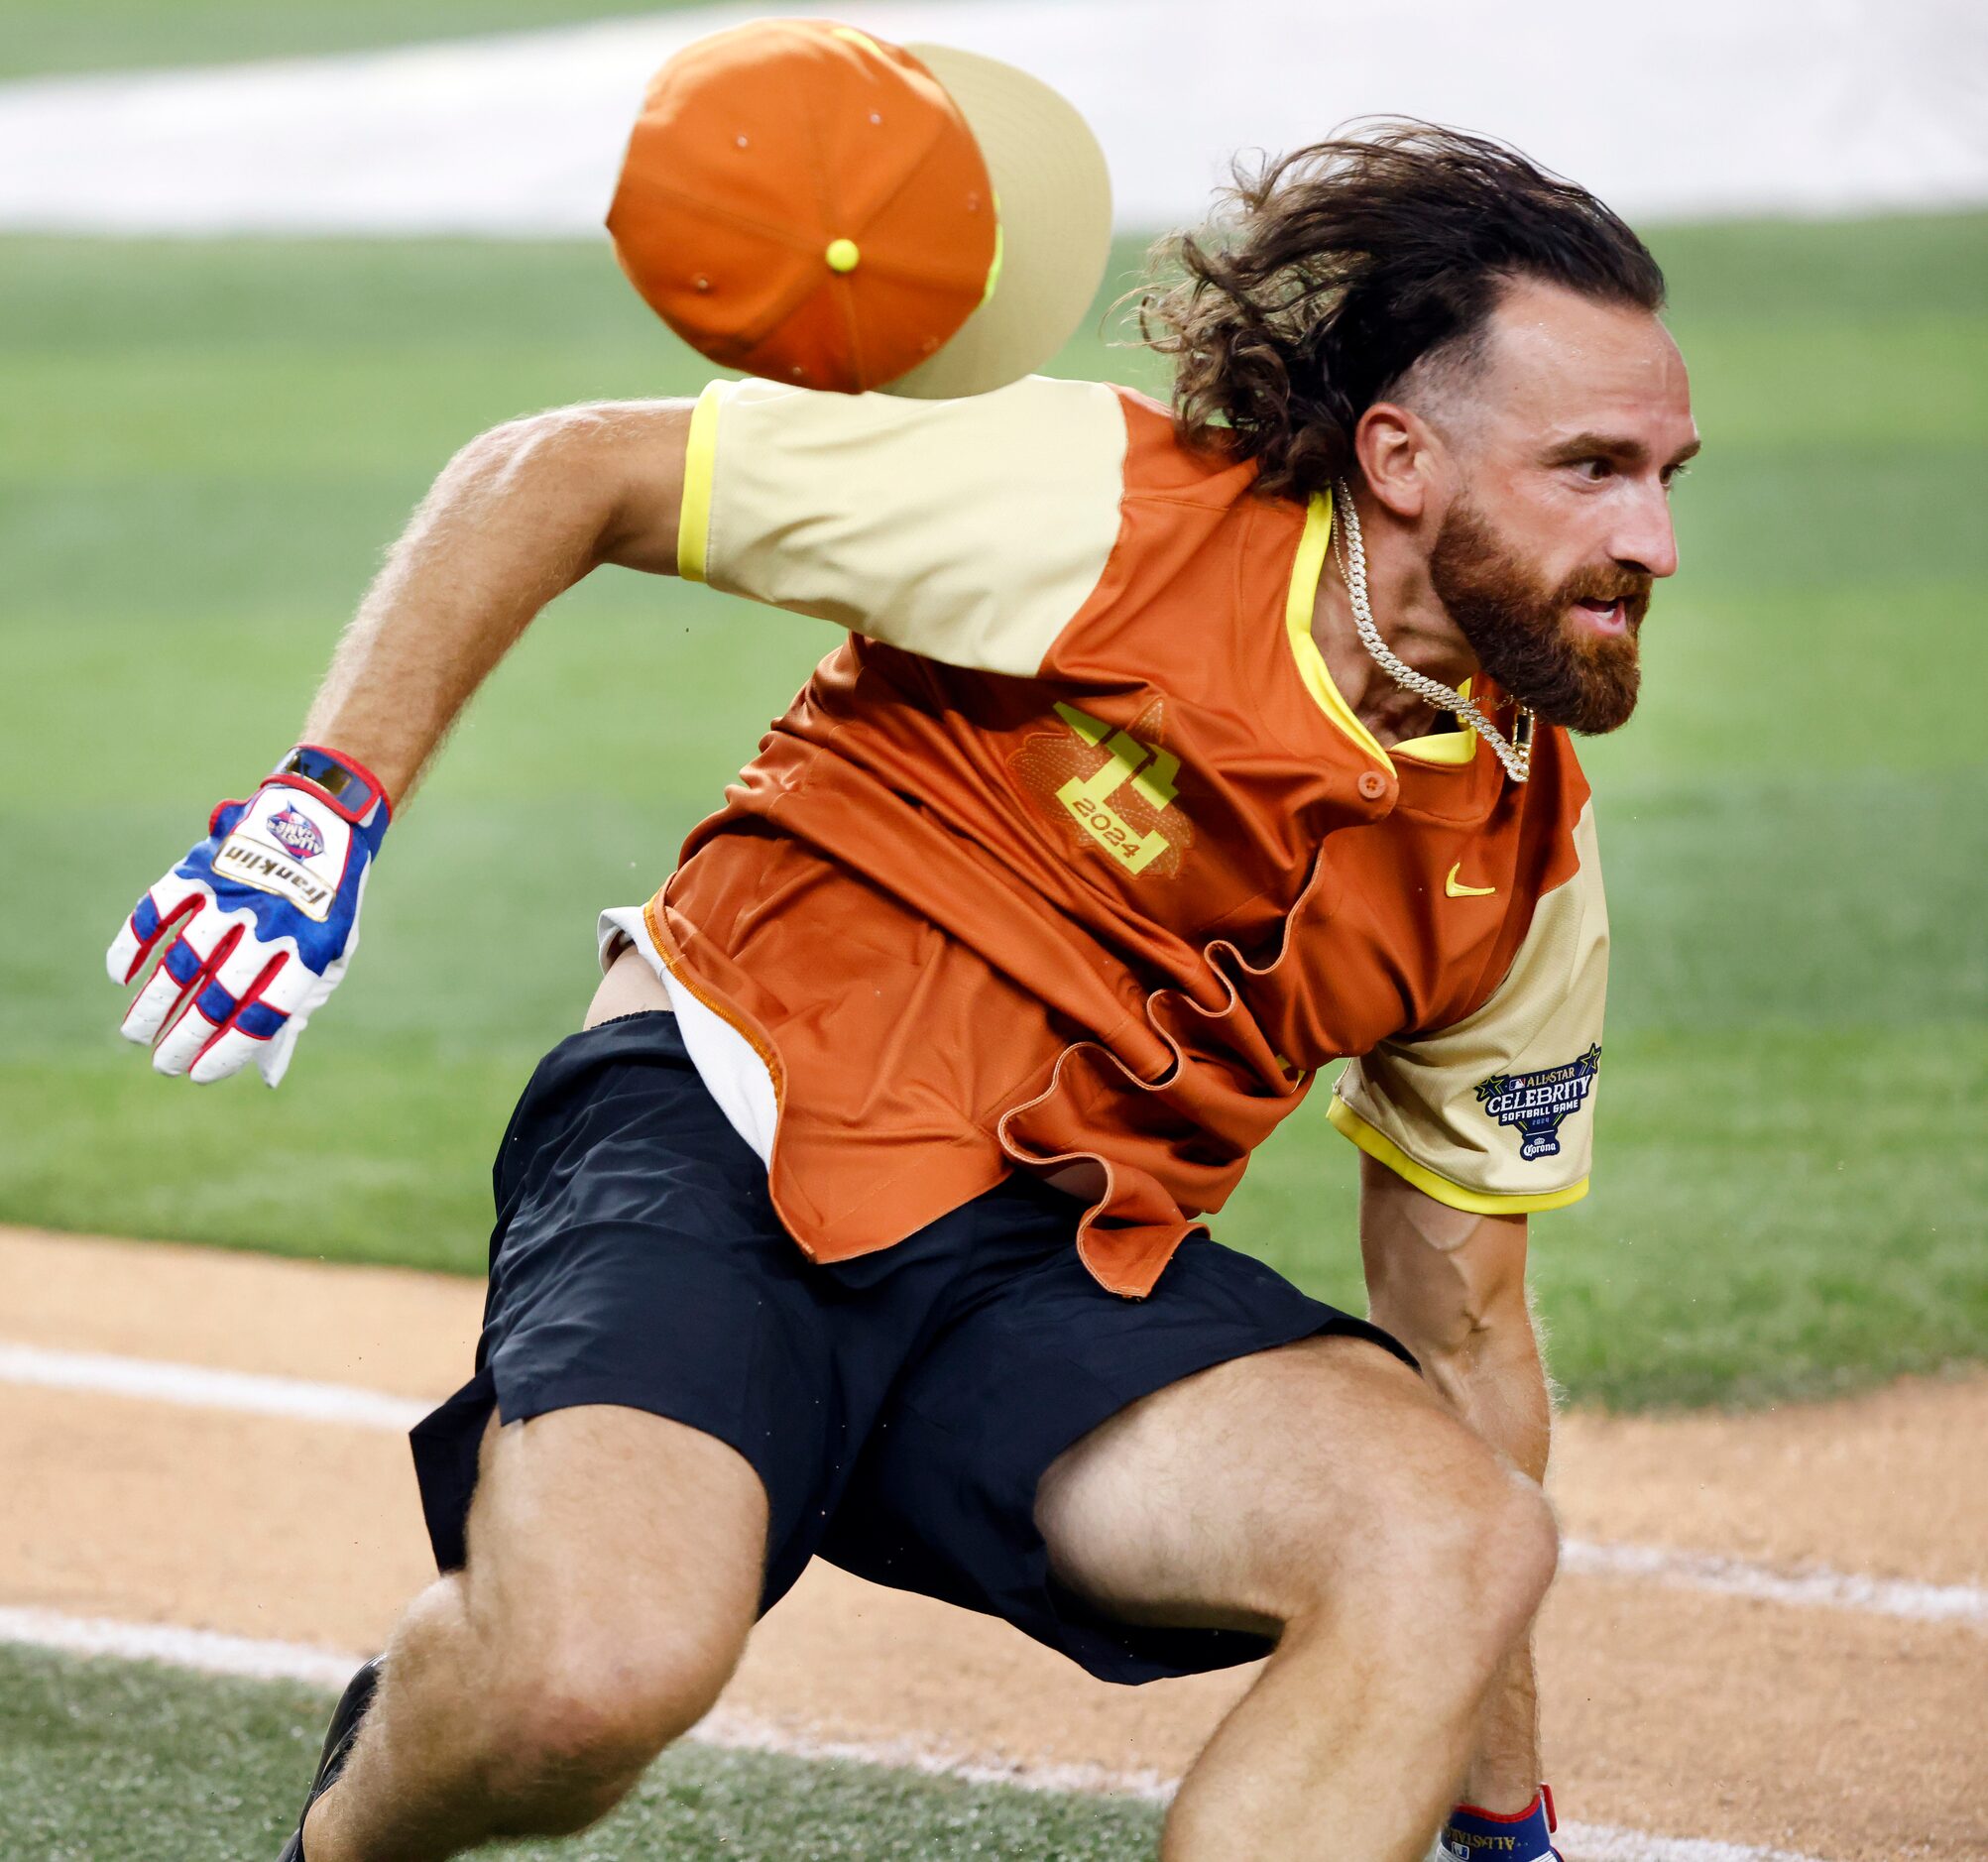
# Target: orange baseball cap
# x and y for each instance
(802, 201)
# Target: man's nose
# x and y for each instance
(1645, 538)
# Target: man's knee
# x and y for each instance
(622, 1703)
(1470, 1557)
(1512, 1552)
(574, 1720)
(1455, 1546)
(615, 1566)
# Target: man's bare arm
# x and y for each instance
(1452, 1287)
(241, 942)
(517, 517)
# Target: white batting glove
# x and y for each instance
(267, 914)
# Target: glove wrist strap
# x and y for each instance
(342, 781)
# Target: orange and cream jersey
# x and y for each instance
(1072, 858)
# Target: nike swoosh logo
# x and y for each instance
(1458, 889)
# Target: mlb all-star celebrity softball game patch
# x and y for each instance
(1538, 1104)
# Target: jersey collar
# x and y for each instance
(1454, 749)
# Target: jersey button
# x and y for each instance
(1372, 785)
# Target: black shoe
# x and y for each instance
(338, 1738)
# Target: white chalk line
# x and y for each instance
(1602, 1842)
(521, 134)
(207, 1652)
(204, 1650)
(1819, 1588)
(197, 1388)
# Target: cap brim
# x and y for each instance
(1055, 199)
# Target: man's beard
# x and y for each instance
(1523, 635)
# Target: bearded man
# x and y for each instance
(1174, 754)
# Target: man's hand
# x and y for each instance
(266, 911)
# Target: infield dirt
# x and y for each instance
(1842, 1733)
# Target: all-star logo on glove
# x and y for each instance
(266, 913)
(298, 832)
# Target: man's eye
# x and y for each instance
(1671, 474)
(1594, 470)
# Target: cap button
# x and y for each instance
(842, 255)
(1372, 785)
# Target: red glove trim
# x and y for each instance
(357, 768)
(293, 778)
(1517, 1817)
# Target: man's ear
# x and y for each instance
(1401, 460)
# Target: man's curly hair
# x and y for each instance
(1334, 270)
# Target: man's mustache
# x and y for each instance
(1631, 588)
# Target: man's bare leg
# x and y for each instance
(1318, 1493)
(615, 1566)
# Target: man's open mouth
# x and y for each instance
(1604, 617)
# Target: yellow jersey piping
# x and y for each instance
(700, 463)
(1304, 591)
(1383, 1149)
(1452, 747)
(1455, 748)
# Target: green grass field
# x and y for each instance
(205, 448)
(49, 38)
(117, 1761)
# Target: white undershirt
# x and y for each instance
(730, 1066)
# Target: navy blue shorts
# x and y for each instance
(899, 1408)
